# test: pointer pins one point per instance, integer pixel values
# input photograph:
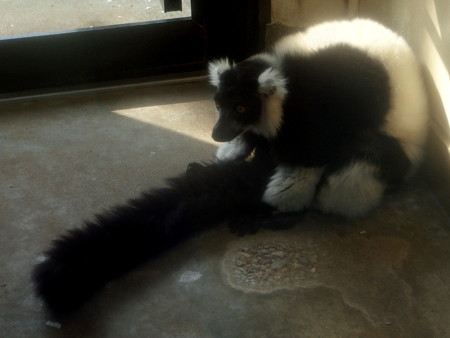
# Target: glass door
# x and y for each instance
(60, 45)
(20, 17)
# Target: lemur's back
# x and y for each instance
(333, 96)
(406, 116)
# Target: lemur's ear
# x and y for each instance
(216, 68)
(271, 81)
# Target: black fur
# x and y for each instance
(82, 261)
(382, 151)
(343, 96)
(333, 96)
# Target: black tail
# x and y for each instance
(84, 260)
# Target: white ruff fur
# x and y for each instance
(351, 192)
(216, 68)
(407, 118)
(292, 189)
(272, 86)
(232, 150)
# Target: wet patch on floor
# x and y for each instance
(267, 263)
(363, 270)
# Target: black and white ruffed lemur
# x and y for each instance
(335, 116)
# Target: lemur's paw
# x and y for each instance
(292, 189)
(233, 150)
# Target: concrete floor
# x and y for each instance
(19, 17)
(387, 275)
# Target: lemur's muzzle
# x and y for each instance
(226, 129)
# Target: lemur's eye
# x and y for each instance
(240, 109)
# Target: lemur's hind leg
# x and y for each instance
(357, 178)
(351, 191)
(292, 189)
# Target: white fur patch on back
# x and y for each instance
(292, 188)
(232, 150)
(352, 191)
(216, 68)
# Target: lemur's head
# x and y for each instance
(249, 97)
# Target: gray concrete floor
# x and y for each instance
(386, 275)
(19, 17)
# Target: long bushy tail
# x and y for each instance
(82, 261)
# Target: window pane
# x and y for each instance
(19, 17)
